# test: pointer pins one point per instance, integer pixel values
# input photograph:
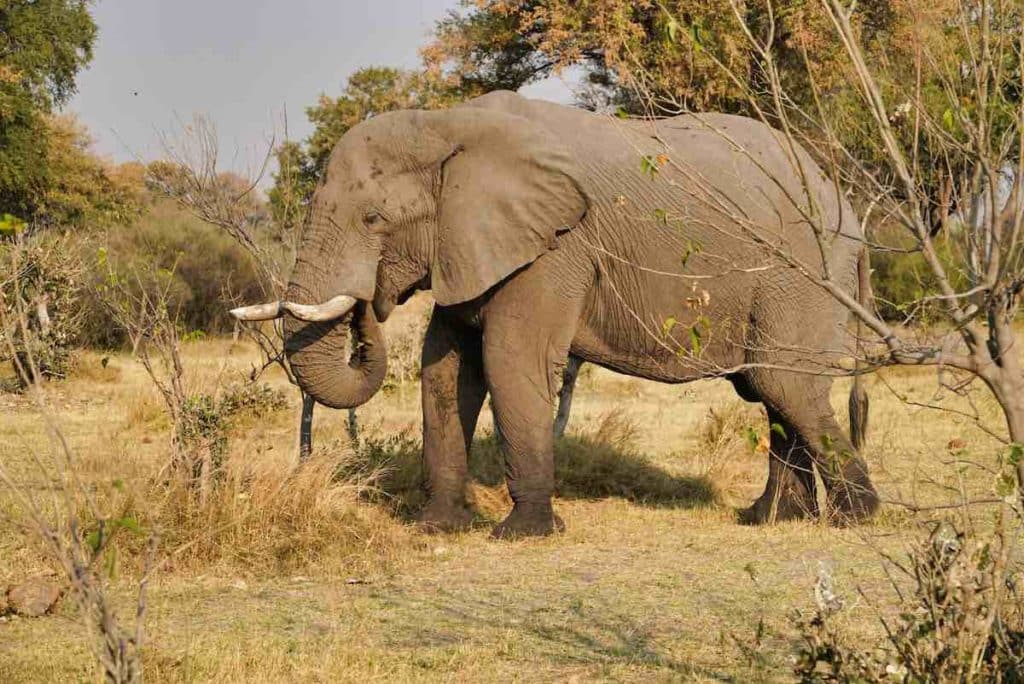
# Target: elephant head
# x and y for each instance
(453, 201)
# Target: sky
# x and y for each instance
(241, 63)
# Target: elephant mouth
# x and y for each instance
(316, 336)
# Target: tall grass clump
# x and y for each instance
(267, 518)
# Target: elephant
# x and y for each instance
(671, 250)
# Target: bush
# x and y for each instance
(38, 278)
(962, 622)
(208, 271)
(900, 279)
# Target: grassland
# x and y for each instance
(297, 575)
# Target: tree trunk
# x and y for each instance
(1014, 411)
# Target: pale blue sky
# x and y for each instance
(241, 62)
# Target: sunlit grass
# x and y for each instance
(316, 573)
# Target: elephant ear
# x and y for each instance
(507, 189)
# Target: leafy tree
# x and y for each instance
(293, 186)
(43, 46)
(676, 54)
(368, 92)
(83, 189)
(664, 57)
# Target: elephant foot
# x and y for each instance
(442, 516)
(789, 505)
(852, 503)
(529, 520)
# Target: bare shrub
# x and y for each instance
(197, 435)
(74, 531)
(962, 621)
(41, 271)
(190, 177)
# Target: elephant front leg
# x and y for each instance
(520, 376)
(453, 393)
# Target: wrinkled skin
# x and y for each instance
(540, 236)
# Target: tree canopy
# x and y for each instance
(43, 46)
(368, 91)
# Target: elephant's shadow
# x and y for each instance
(587, 466)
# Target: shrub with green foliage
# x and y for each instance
(208, 270)
(901, 280)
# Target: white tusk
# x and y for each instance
(330, 310)
(258, 312)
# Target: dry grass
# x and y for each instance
(652, 580)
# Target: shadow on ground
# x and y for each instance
(557, 634)
(590, 465)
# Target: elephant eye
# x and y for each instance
(372, 218)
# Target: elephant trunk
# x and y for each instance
(316, 353)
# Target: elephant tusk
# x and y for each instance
(258, 312)
(332, 309)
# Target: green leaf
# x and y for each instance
(667, 326)
(622, 113)
(779, 430)
(661, 216)
(692, 248)
(695, 35)
(92, 540)
(947, 119)
(129, 523)
(11, 225)
(753, 439)
(1016, 454)
(1005, 484)
(673, 30)
(695, 341)
(649, 165)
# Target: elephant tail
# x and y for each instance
(858, 401)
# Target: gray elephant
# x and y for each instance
(545, 231)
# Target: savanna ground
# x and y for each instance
(305, 575)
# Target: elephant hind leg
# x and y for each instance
(800, 405)
(790, 492)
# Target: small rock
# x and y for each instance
(355, 580)
(240, 584)
(33, 598)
